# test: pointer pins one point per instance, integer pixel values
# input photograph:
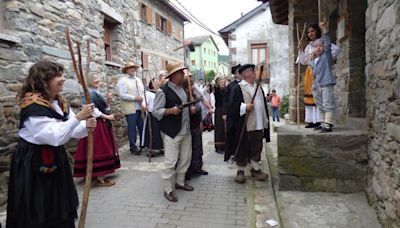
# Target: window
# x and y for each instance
(107, 38)
(205, 63)
(259, 57)
(145, 60)
(193, 62)
(146, 13)
(163, 24)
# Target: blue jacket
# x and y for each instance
(322, 70)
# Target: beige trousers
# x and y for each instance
(178, 154)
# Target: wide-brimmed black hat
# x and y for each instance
(235, 68)
(245, 66)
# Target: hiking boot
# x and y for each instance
(240, 178)
(258, 175)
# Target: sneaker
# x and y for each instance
(258, 175)
(240, 178)
(326, 128)
(319, 127)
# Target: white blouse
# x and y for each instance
(305, 56)
(42, 130)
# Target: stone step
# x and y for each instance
(322, 162)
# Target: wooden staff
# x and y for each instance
(109, 107)
(89, 164)
(299, 39)
(247, 115)
(149, 116)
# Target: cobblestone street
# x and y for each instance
(137, 200)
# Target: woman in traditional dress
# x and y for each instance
(156, 141)
(312, 117)
(219, 133)
(41, 191)
(105, 151)
(196, 164)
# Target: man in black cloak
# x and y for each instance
(256, 127)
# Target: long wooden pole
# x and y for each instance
(299, 39)
(89, 164)
(149, 116)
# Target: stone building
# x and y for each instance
(368, 85)
(254, 38)
(119, 31)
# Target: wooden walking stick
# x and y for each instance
(299, 39)
(149, 116)
(109, 107)
(247, 115)
(89, 164)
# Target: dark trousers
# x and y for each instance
(256, 141)
(275, 113)
(134, 120)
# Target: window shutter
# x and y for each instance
(177, 33)
(149, 15)
(169, 27)
(145, 61)
(158, 21)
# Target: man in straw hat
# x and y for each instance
(131, 91)
(175, 126)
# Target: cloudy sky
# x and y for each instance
(215, 14)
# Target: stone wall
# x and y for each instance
(348, 22)
(34, 30)
(383, 107)
(310, 161)
(159, 46)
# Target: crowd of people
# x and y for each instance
(169, 115)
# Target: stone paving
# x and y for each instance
(137, 199)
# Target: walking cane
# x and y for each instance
(148, 114)
(247, 115)
(299, 39)
(81, 79)
(109, 107)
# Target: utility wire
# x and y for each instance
(194, 18)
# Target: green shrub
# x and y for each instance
(284, 105)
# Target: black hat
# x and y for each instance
(245, 66)
(235, 68)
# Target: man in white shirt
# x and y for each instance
(253, 116)
(131, 91)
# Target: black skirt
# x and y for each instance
(38, 196)
(156, 140)
(219, 132)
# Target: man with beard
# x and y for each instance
(175, 126)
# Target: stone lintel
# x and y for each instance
(56, 52)
(110, 12)
(9, 38)
(109, 63)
